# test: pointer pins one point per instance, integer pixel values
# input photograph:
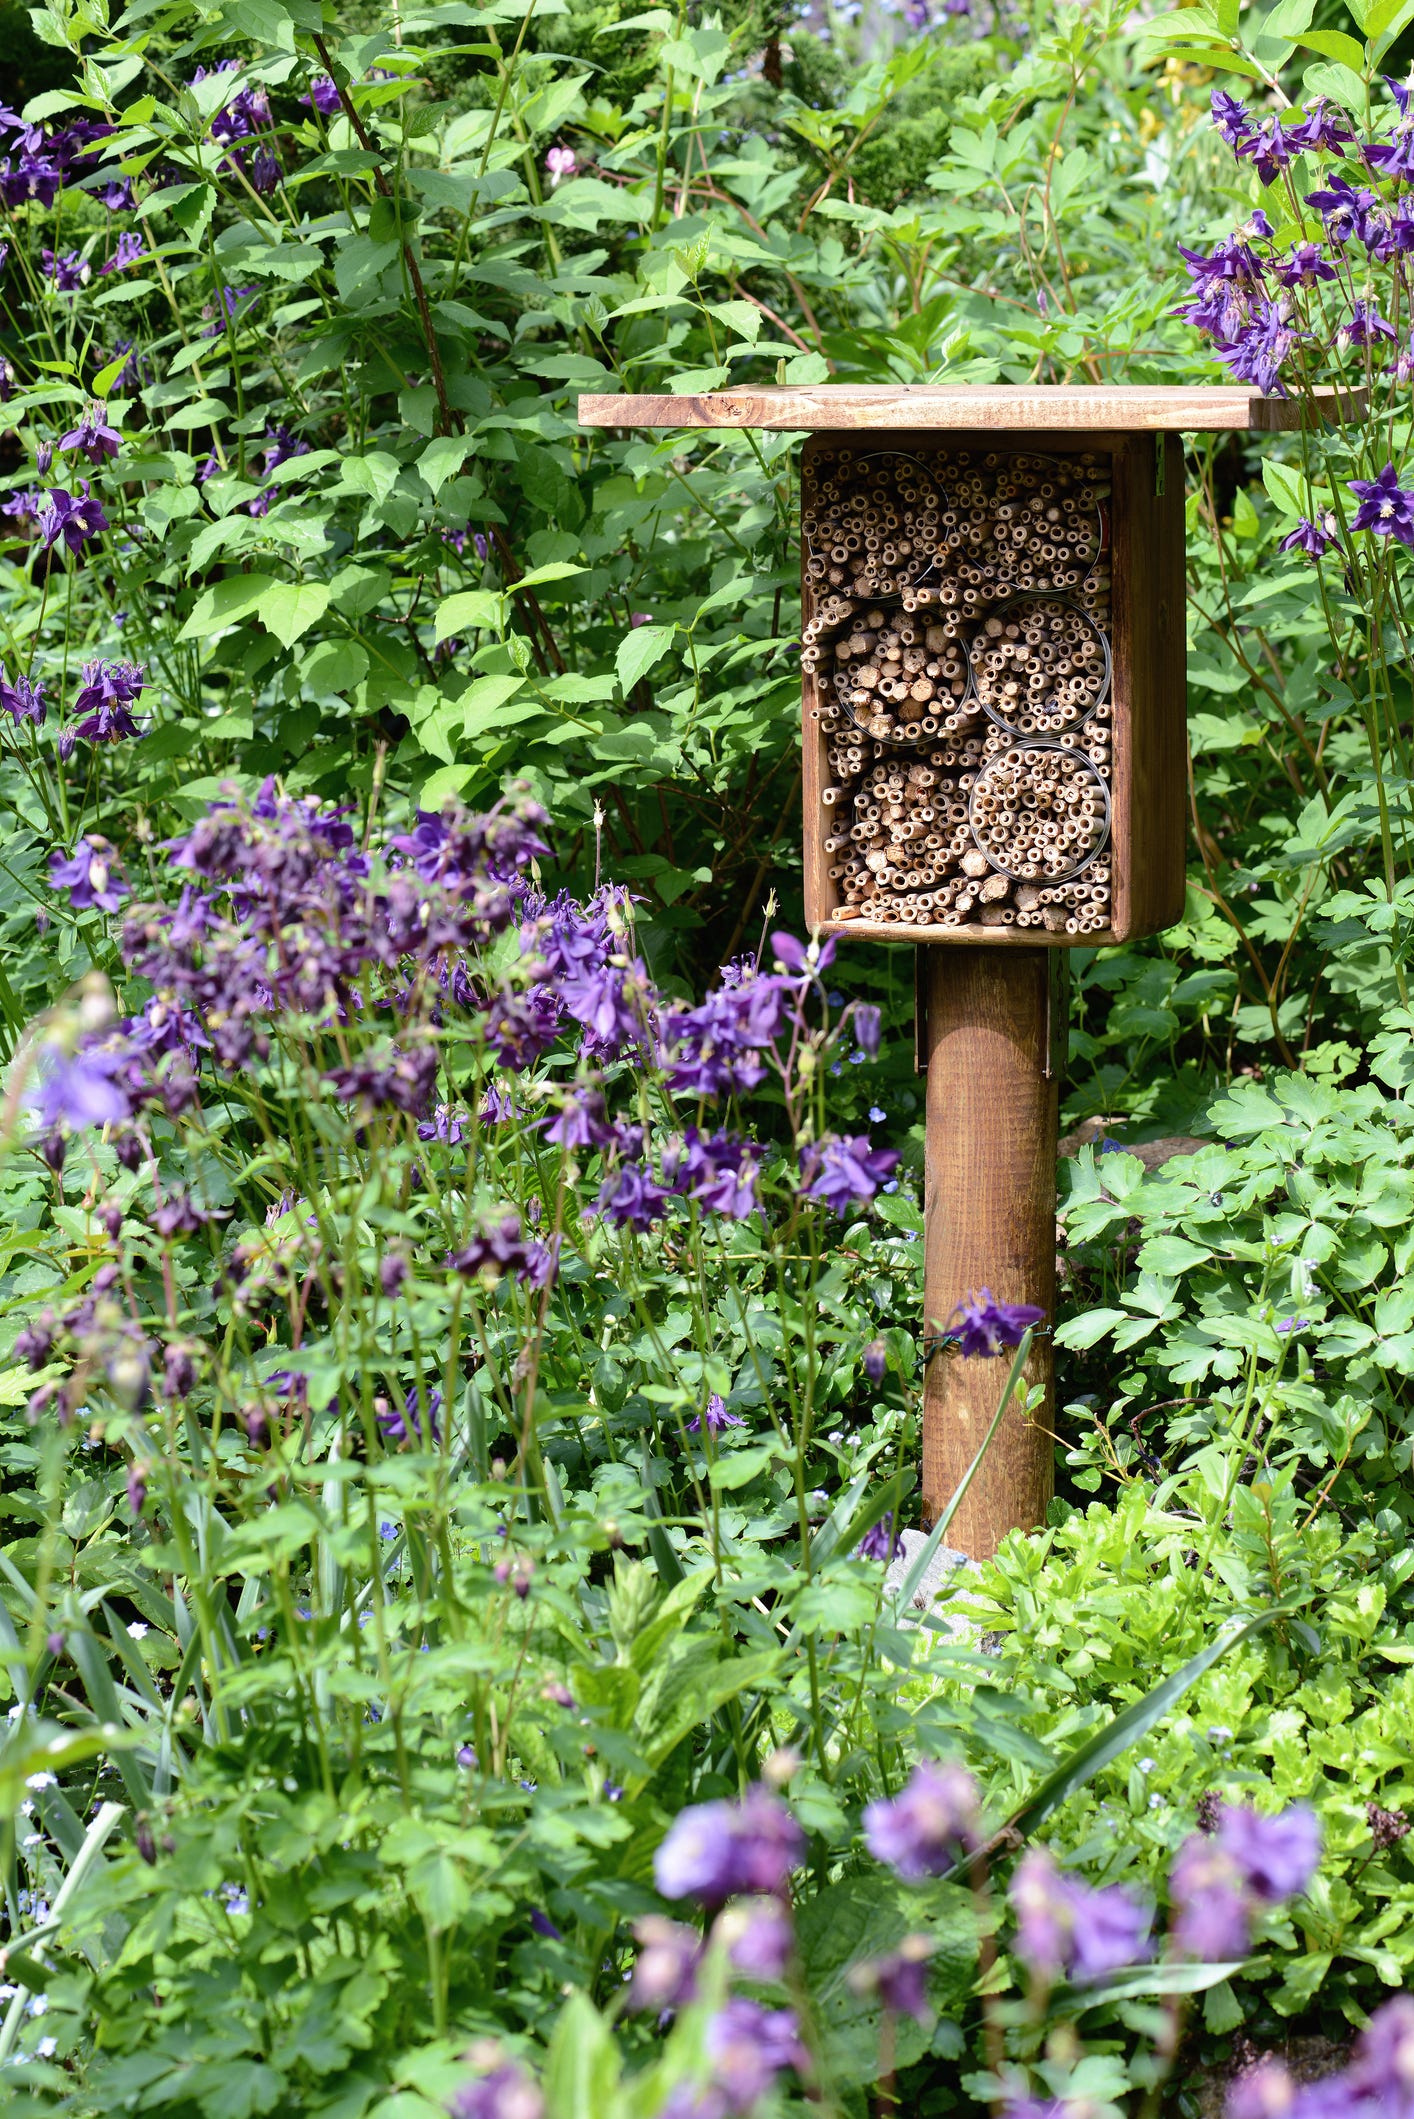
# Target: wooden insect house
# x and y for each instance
(993, 696)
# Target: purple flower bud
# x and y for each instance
(137, 1488)
(881, 1541)
(716, 1850)
(876, 1360)
(758, 1936)
(43, 457)
(392, 1272)
(498, 2088)
(664, 1972)
(868, 1021)
(928, 1825)
(178, 1373)
(900, 1980)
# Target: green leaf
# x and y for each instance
(471, 611)
(553, 570)
(639, 650)
(289, 608)
(224, 604)
(1334, 44)
(582, 2068)
(850, 1924)
(442, 459)
(1135, 1722)
(1340, 83)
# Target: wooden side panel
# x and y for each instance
(821, 895)
(1150, 686)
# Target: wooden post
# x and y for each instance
(990, 1213)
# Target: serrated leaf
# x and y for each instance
(639, 650)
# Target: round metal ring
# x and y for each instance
(1072, 610)
(979, 787)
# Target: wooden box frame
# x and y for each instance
(1148, 644)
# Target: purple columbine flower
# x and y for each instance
(105, 700)
(1212, 1917)
(1345, 211)
(901, 1979)
(1277, 1856)
(748, 2046)
(88, 876)
(1065, 1925)
(93, 435)
(665, 1970)
(759, 1937)
(69, 272)
(1392, 159)
(1323, 130)
(73, 516)
(499, 2089)
(1366, 327)
(1303, 267)
(1385, 509)
(841, 1169)
(323, 96)
(795, 957)
(1269, 147)
(715, 1851)
(1230, 117)
(1256, 350)
(1312, 538)
(128, 249)
(984, 1326)
(79, 1088)
(411, 1424)
(931, 1822)
(867, 1022)
(23, 701)
(881, 1541)
(716, 1416)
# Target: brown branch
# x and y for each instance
(448, 419)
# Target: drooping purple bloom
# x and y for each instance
(843, 1169)
(1212, 1918)
(1309, 537)
(1257, 350)
(1323, 130)
(580, 1121)
(93, 436)
(80, 1088)
(1365, 326)
(716, 1851)
(876, 1361)
(1303, 267)
(718, 1170)
(500, 2088)
(665, 1970)
(72, 516)
(323, 96)
(931, 1821)
(1385, 508)
(1230, 117)
(881, 1541)
(1345, 211)
(901, 1979)
(128, 249)
(1269, 146)
(500, 1247)
(69, 272)
(1066, 1925)
(867, 1022)
(23, 701)
(759, 1937)
(89, 876)
(717, 1417)
(1277, 1856)
(106, 697)
(807, 963)
(411, 1424)
(748, 2046)
(983, 1326)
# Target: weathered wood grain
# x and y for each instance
(977, 407)
(1149, 643)
(989, 1222)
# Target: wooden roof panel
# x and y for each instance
(975, 407)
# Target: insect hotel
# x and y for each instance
(995, 770)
